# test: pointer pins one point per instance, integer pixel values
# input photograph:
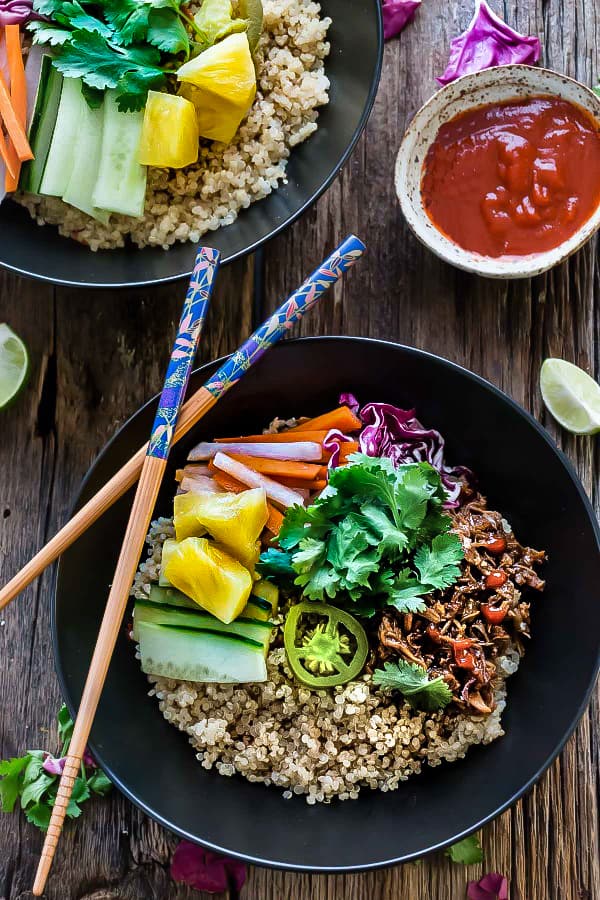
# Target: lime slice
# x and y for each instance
(252, 11)
(571, 395)
(14, 365)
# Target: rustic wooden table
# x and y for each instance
(97, 356)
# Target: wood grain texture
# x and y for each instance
(96, 357)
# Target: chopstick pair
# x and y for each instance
(149, 464)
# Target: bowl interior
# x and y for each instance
(353, 68)
(489, 86)
(523, 475)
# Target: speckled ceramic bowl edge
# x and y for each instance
(488, 86)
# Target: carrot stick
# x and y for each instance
(275, 520)
(8, 155)
(16, 131)
(347, 448)
(277, 468)
(281, 438)
(342, 418)
(18, 90)
(296, 483)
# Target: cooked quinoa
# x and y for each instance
(322, 744)
(183, 205)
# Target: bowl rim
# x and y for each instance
(549, 81)
(364, 867)
(260, 242)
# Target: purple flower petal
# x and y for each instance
(492, 886)
(351, 402)
(488, 41)
(206, 871)
(398, 434)
(88, 760)
(332, 443)
(53, 766)
(396, 15)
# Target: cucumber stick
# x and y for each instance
(62, 149)
(205, 656)
(86, 161)
(146, 611)
(121, 184)
(42, 127)
(256, 608)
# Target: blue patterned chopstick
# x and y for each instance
(184, 351)
(290, 312)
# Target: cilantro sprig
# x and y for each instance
(130, 46)
(468, 851)
(414, 683)
(377, 536)
(34, 778)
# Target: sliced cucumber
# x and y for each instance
(256, 608)
(171, 597)
(121, 184)
(146, 611)
(86, 161)
(42, 128)
(206, 656)
(268, 593)
(62, 149)
(168, 548)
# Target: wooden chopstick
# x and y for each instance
(153, 469)
(299, 303)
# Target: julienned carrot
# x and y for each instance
(278, 468)
(342, 418)
(8, 155)
(18, 90)
(16, 131)
(282, 437)
(347, 448)
(316, 484)
(275, 520)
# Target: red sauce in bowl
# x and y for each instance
(514, 178)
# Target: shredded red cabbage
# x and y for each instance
(492, 886)
(488, 41)
(15, 12)
(396, 15)
(351, 402)
(54, 766)
(332, 443)
(398, 434)
(206, 871)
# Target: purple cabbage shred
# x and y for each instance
(204, 870)
(396, 16)
(398, 435)
(488, 41)
(351, 402)
(332, 443)
(15, 12)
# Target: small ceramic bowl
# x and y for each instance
(489, 86)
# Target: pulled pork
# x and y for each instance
(464, 629)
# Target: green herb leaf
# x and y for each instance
(11, 773)
(47, 33)
(413, 681)
(438, 564)
(275, 563)
(468, 851)
(167, 32)
(99, 783)
(65, 725)
(39, 815)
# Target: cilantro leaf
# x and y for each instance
(468, 851)
(413, 681)
(65, 724)
(133, 87)
(167, 32)
(34, 790)
(11, 773)
(47, 33)
(438, 564)
(276, 563)
(99, 783)
(39, 815)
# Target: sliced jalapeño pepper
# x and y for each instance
(331, 652)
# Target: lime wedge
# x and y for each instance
(14, 365)
(571, 395)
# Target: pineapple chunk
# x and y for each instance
(210, 576)
(234, 520)
(170, 137)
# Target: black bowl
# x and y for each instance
(522, 473)
(353, 67)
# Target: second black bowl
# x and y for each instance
(523, 475)
(353, 68)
